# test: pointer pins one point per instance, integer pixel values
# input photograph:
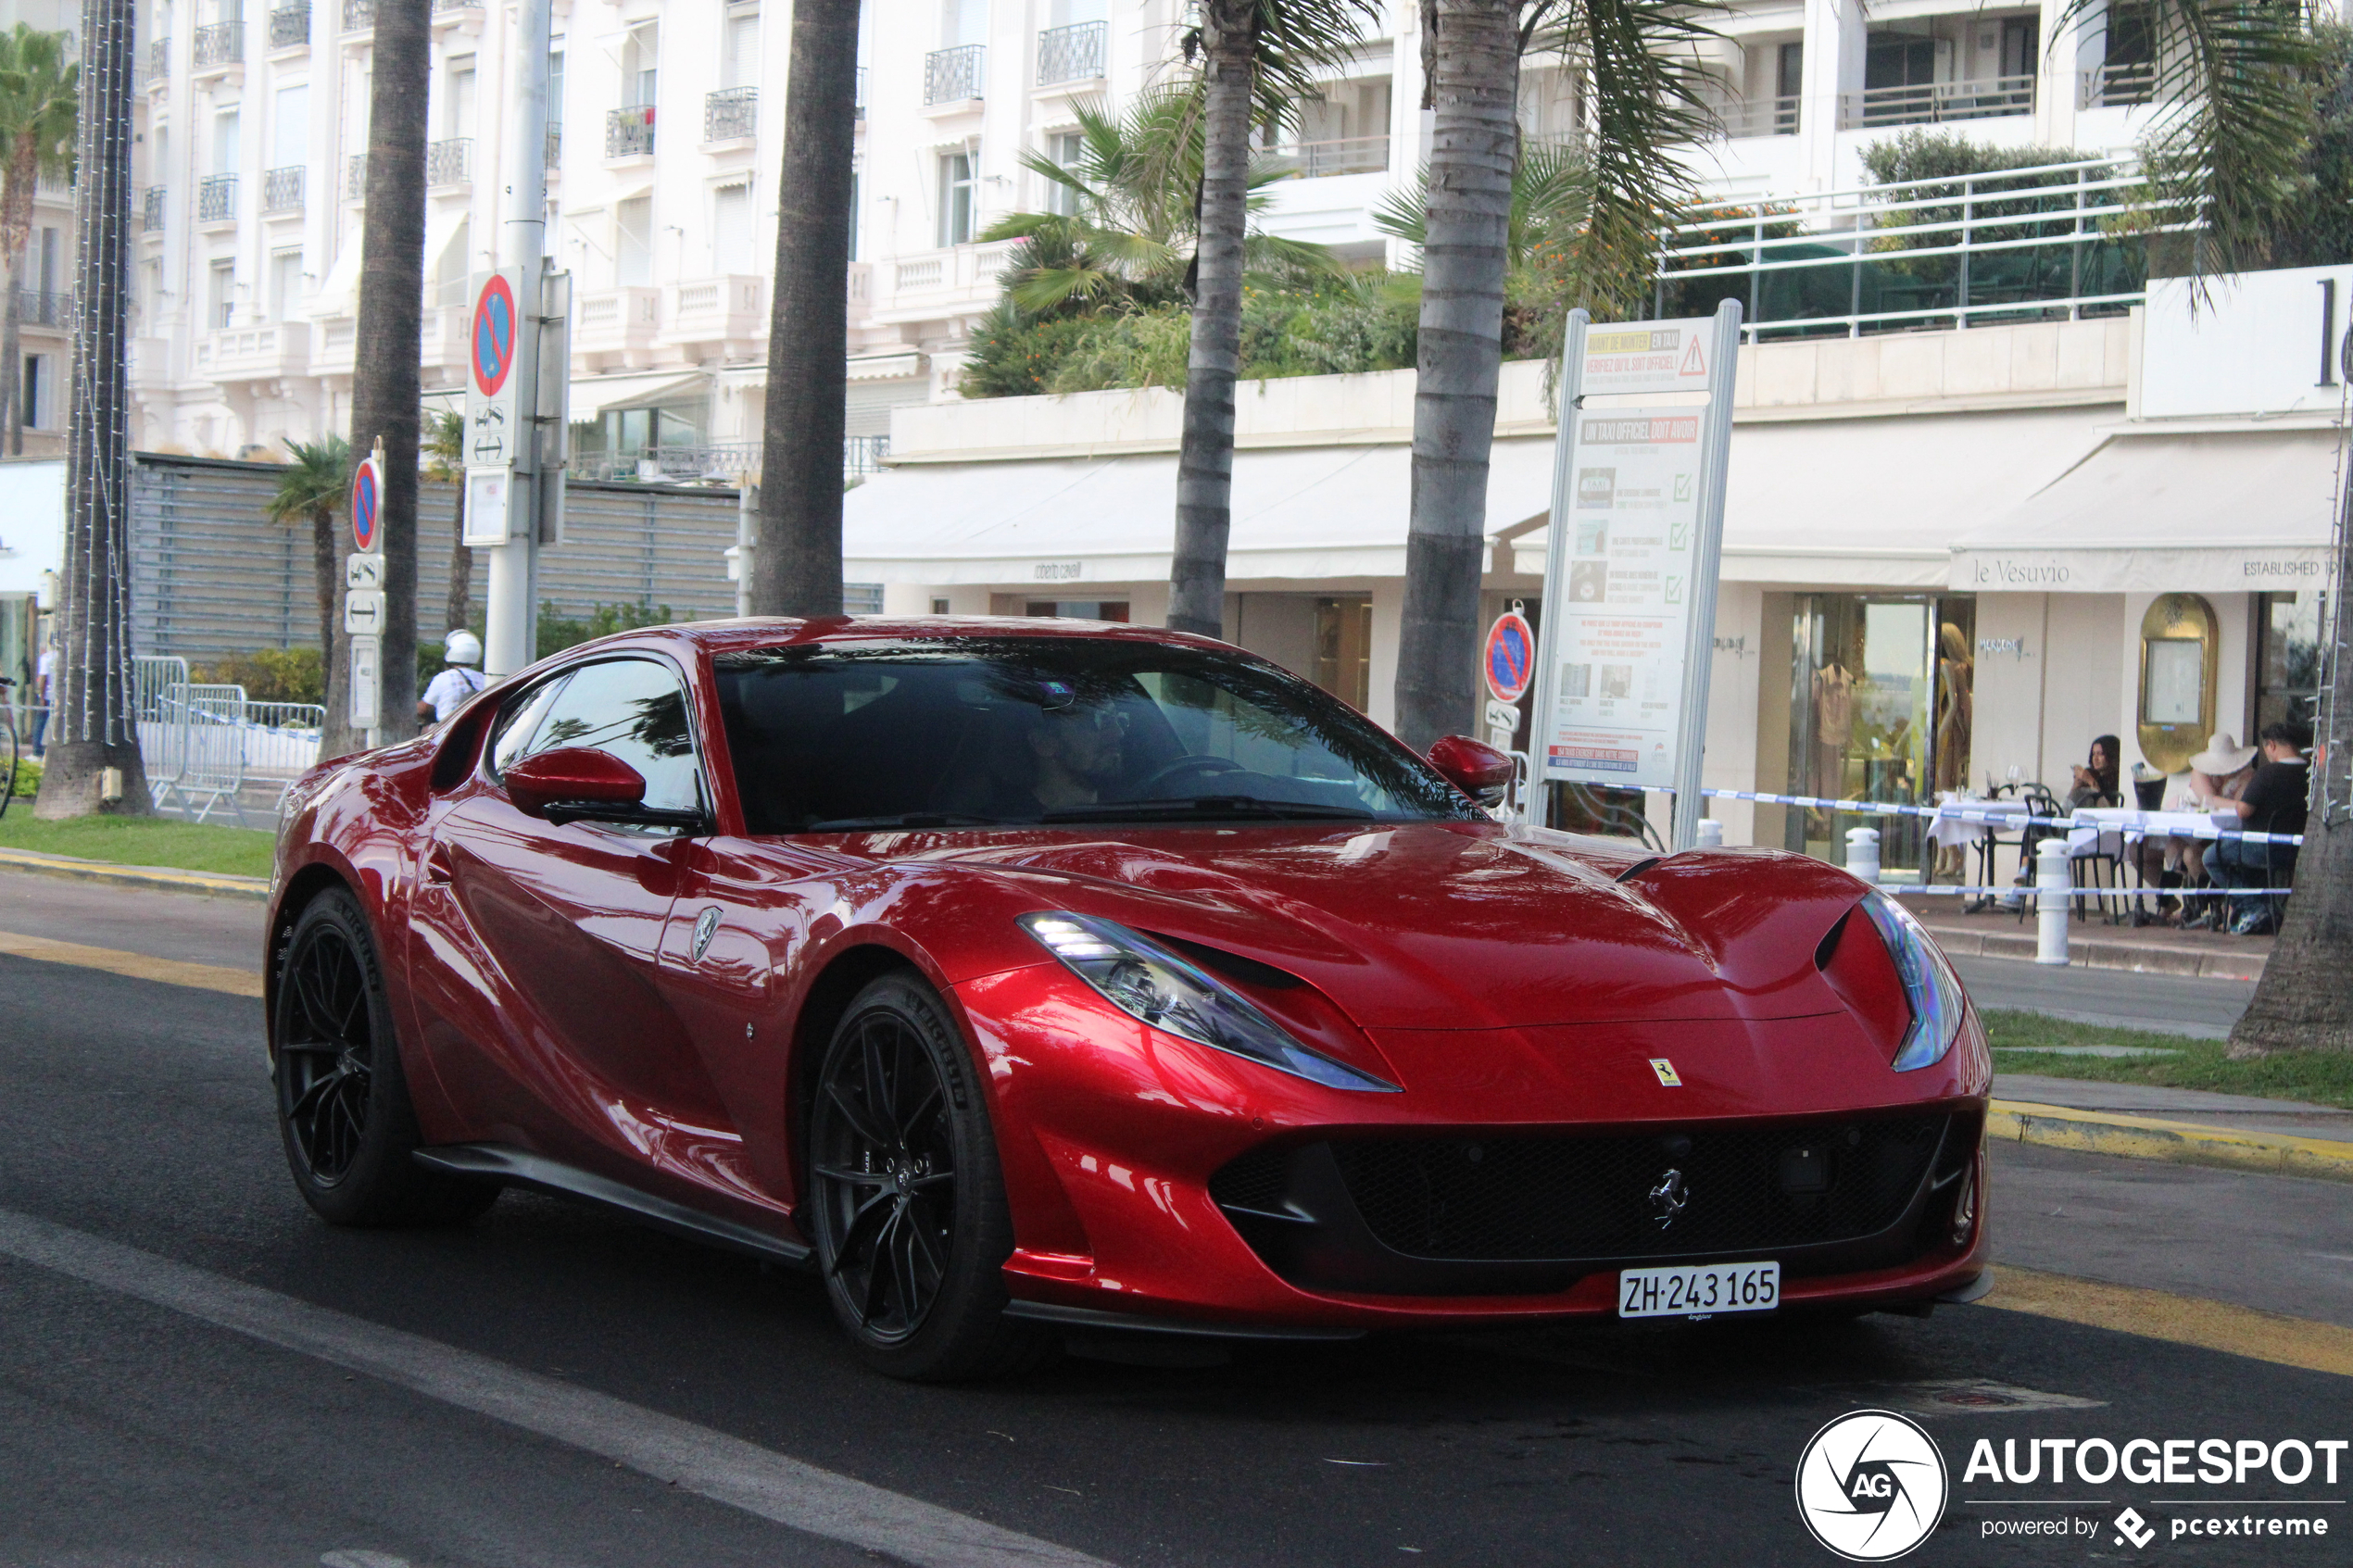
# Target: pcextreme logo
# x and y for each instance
(1872, 1486)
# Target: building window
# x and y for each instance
(731, 229)
(220, 295)
(640, 66)
(1344, 647)
(1065, 148)
(741, 65)
(2289, 633)
(632, 254)
(225, 142)
(285, 284)
(956, 198)
(458, 109)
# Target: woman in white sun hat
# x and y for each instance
(2222, 771)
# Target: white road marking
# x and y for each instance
(695, 1459)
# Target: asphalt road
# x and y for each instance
(2165, 1004)
(193, 1371)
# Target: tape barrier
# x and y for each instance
(1993, 816)
(2029, 891)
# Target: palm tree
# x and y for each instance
(445, 460)
(384, 402)
(314, 487)
(796, 565)
(94, 733)
(1248, 49)
(1644, 93)
(38, 94)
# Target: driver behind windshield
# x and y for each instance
(1079, 753)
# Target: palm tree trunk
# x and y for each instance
(796, 566)
(390, 340)
(93, 730)
(12, 355)
(1205, 459)
(2302, 1002)
(323, 543)
(1474, 146)
(458, 610)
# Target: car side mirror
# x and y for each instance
(575, 784)
(1474, 767)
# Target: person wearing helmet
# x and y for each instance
(462, 650)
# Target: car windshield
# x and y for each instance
(978, 732)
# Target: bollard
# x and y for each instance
(1711, 833)
(2054, 885)
(1862, 854)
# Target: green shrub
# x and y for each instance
(268, 674)
(28, 779)
(558, 633)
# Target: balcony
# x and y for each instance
(151, 212)
(150, 366)
(967, 270)
(1936, 102)
(334, 347)
(446, 161)
(159, 62)
(217, 199)
(1317, 161)
(730, 113)
(274, 351)
(281, 189)
(861, 287)
(718, 310)
(629, 132)
(290, 26)
(44, 308)
(355, 178)
(219, 46)
(359, 15)
(1765, 116)
(1071, 54)
(618, 320)
(2117, 86)
(952, 76)
(443, 9)
(443, 343)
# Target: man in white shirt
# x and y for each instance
(449, 691)
(44, 689)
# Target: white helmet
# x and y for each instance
(462, 647)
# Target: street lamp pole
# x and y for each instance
(510, 627)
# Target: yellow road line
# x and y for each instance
(2182, 1320)
(138, 966)
(218, 884)
(2152, 1138)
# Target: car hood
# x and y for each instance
(1461, 925)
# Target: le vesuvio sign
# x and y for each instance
(2241, 569)
(2261, 342)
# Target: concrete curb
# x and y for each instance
(2184, 1143)
(2093, 953)
(160, 879)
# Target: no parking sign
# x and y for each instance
(1510, 658)
(367, 503)
(494, 434)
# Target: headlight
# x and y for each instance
(1930, 984)
(1145, 980)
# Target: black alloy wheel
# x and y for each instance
(906, 1206)
(343, 1102)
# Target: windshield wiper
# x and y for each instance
(906, 820)
(1206, 807)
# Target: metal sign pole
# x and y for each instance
(1570, 388)
(511, 608)
(1707, 557)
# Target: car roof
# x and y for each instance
(713, 638)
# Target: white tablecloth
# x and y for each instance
(1950, 826)
(2108, 826)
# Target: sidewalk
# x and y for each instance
(2091, 943)
(2188, 1126)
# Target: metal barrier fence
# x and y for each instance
(204, 746)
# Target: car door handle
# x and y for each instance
(438, 870)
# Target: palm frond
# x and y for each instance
(317, 481)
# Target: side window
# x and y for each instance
(513, 735)
(635, 709)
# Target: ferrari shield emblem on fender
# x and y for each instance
(1659, 1064)
(706, 927)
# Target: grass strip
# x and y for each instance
(141, 841)
(2020, 1042)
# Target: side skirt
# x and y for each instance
(1095, 1317)
(516, 1167)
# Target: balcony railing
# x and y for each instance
(863, 454)
(359, 15)
(1314, 160)
(1761, 116)
(2117, 86)
(44, 308)
(2023, 245)
(1935, 102)
(151, 216)
(220, 44)
(1070, 54)
(442, 8)
(629, 132)
(355, 178)
(158, 62)
(217, 199)
(446, 161)
(290, 25)
(730, 112)
(281, 189)
(950, 76)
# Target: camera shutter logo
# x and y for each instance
(1872, 1486)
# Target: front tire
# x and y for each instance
(342, 1103)
(906, 1204)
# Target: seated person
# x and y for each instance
(2096, 785)
(2224, 769)
(1079, 755)
(2274, 802)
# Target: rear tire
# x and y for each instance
(906, 1203)
(344, 1113)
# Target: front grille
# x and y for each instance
(1518, 1199)
(1255, 1181)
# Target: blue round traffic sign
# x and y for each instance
(1511, 655)
(493, 336)
(367, 505)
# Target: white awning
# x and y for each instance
(1880, 502)
(1306, 513)
(2165, 513)
(338, 293)
(593, 397)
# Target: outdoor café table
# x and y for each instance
(1969, 820)
(2104, 830)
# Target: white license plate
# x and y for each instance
(1715, 1287)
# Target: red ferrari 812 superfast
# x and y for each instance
(1027, 976)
